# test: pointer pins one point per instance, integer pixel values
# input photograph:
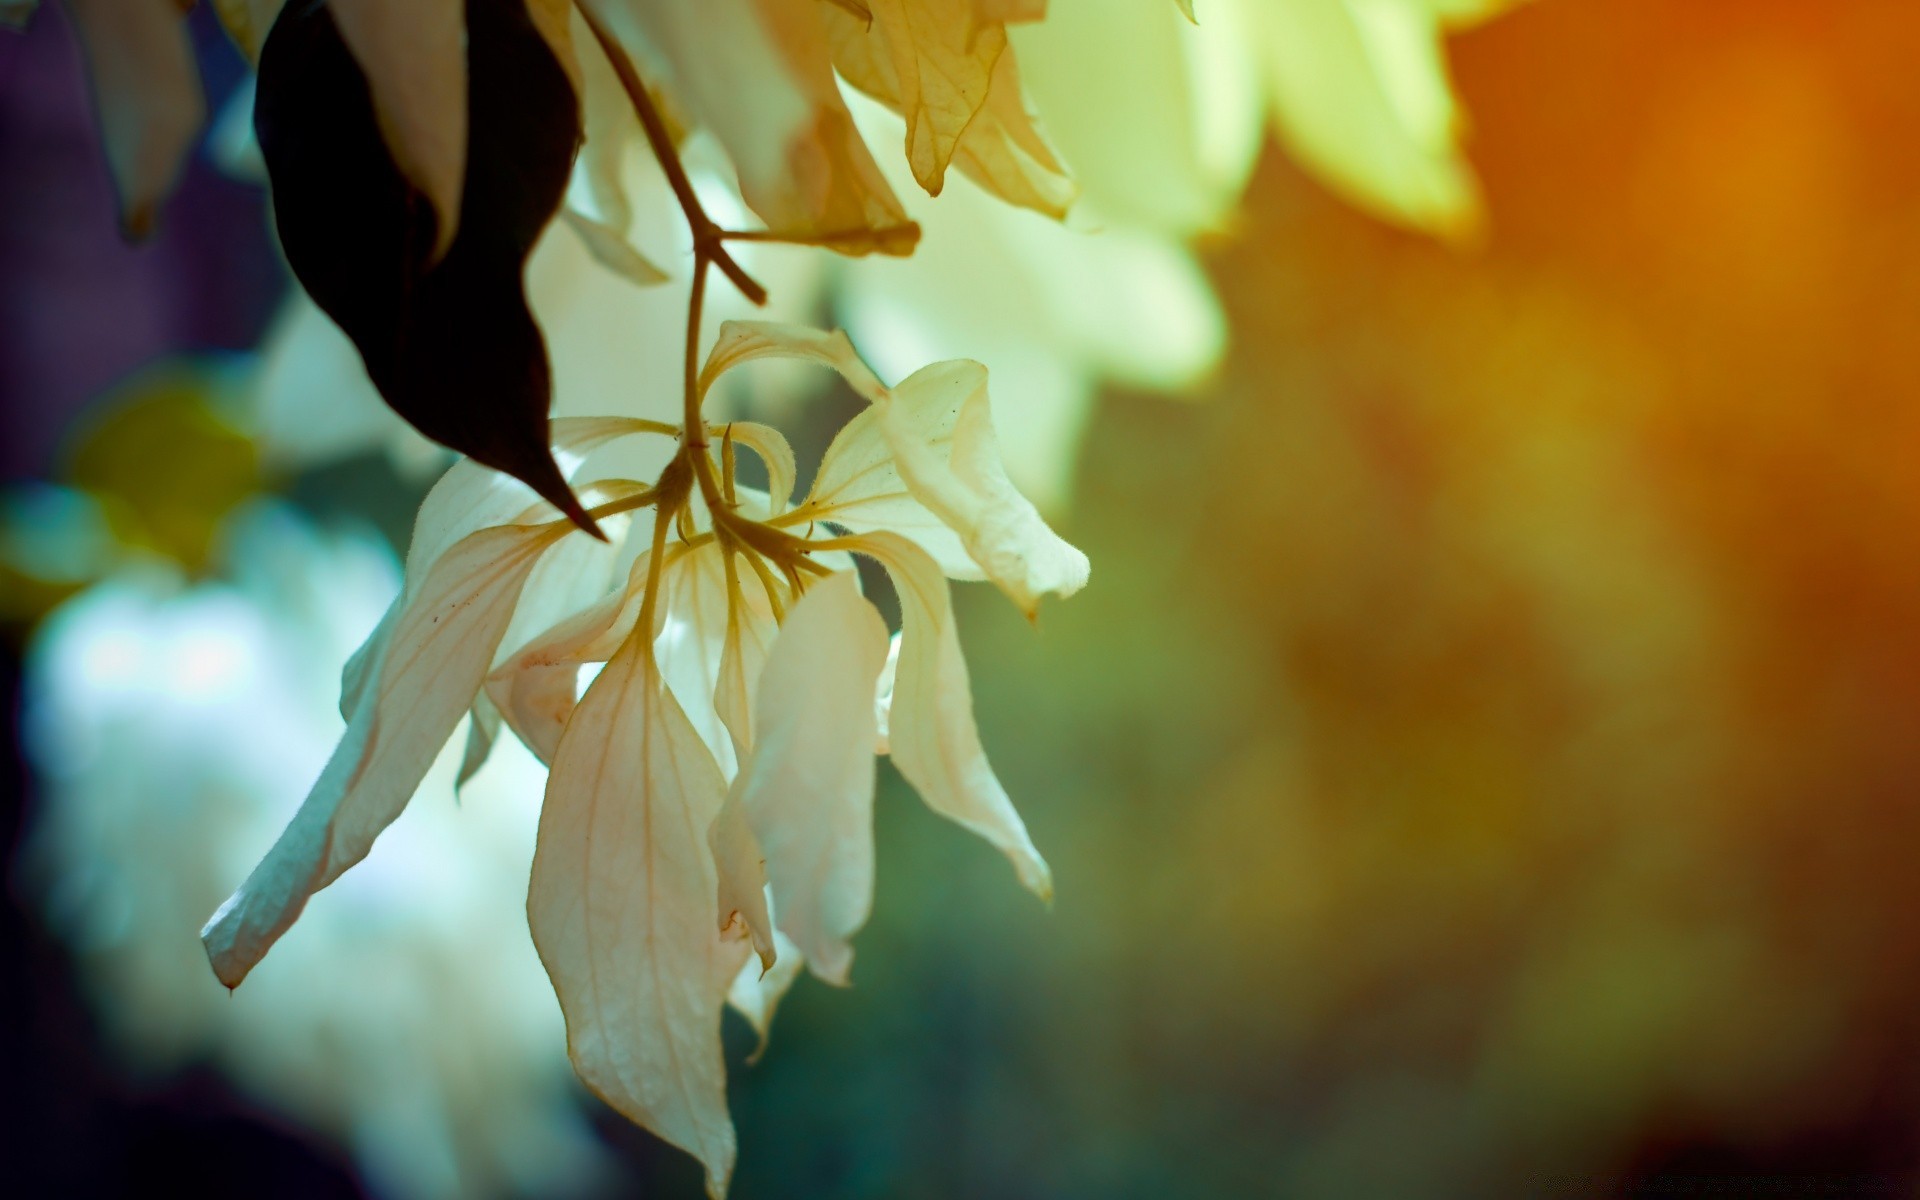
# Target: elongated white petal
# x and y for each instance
(931, 730)
(774, 451)
(612, 250)
(147, 90)
(425, 680)
(808, 787)
(965, 484)
(744, 341)
(621, 906)
(750, 633)
(483, 729)
(693, 634)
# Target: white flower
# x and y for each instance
(174, 725)
(712, 789)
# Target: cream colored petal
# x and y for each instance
(470, 496)
(932, 61)
(750, 634)
(742, 871)
(621, 906)
(612, 250)
(774, 452)
(692, 639)
(757, 991)
(426, 680)
(808, 785)
(931, 731)
(537, 686)
(758, 74)
(744, 341)
(1362, 98)
(415, 59)
(966, 486)
(859, 488)
(146, 88)
(1004, 151)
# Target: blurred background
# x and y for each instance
(1484, 763)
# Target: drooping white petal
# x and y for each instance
(621, 906)
(744, 341)
(808, 786)
(774, 451)
(423, 681)
(750, 632)
(693, 635)
(931, 730)
(147, 90)
(965, 484)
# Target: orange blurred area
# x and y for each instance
(1508, 684)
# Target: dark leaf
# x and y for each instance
(451, 345)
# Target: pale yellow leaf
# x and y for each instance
(621, 904)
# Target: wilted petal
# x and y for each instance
(621, 906)
(425, 680)
(758, 74)
(931, 730)
(147, 90)
(598, 207)
(483, 729)
(808, 786)
(965, 484)
(931, 61)
(744, 341)
(774, 451)
(1005, 152)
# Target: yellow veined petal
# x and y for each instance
(859, 488)
(621, 906)
(965, 484)
(691, 641)
(774, 451)
(932, 61)
(424, 680)
(758, 74)
(1004, 151)
(470, 496)
(414, 56)
(744, 341)
(807, 788)
(146, 88)
(750, 633)
(931, 730)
